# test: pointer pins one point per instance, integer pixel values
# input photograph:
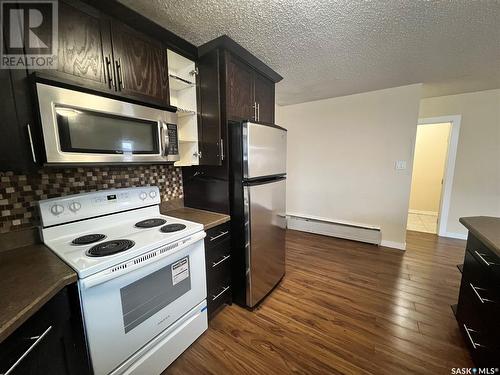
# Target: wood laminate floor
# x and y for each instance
(344, 307)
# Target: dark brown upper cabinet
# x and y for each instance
(140, 64)
(239, 86)
(209, 132)
(250, 95)
(84, 45)
(264, 98)
(97, 52)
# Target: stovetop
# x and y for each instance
(113, 227)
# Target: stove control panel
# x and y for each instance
(83, 206)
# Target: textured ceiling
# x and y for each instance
(332, 48)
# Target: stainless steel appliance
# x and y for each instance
(141, 276)
(81, 128)
(258, 209)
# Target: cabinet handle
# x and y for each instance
(119, 74)
(476, 292)
(258, 111)
(221, 293)
(215, 264)
(32, 145)
(111, 80)
(481, 256)
(475, 345)
(218, 236)
(255, 111)
(221, 149)
(37, 341)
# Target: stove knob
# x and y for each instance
(152, 194)
(75, 206)
(143, 195)
(56, 209)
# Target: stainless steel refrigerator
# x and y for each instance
(258, 209)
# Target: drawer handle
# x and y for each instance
(215, 264)
(476, 291)
(38, 339)
(221, 293)
(475, 345)
(219, 236)
(481, 256)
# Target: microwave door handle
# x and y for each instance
(164, 138)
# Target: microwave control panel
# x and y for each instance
(173, 140)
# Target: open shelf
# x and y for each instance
(178, 83)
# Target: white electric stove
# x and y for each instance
(141, 276)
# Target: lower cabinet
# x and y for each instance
(218, 264)
(478, 305)
(50, 342)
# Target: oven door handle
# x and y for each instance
(129, 265)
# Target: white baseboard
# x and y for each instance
(393, 244)
(458, 236)
(327, 227)
(419, 212)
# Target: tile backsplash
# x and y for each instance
(19, 192)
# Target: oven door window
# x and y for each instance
(145, 297)
(86, 131)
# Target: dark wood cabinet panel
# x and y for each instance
(56, 337)
(478, 304)
(84, 43)
(239, 86)
(218, 265)
(140, 64)
(264, 97)
(210, 110)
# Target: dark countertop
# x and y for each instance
(29, 277)
(209, 219)
(486, 229)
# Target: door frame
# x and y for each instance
(449, 169)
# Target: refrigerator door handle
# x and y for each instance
(248, 249)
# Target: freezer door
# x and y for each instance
(264, 150)
(265, 224)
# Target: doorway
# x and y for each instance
(432, 176)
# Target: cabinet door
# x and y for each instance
(210, 129)
(84, 45)
(239, 85)
(264, 97)
(140, 65)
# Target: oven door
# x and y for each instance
(122, 314)
(81, 128)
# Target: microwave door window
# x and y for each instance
(93, 132)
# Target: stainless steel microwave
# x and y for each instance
(81, 128)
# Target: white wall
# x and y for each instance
(476, 182)
(341, 155)
(429, 160)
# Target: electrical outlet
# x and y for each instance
(400, 164)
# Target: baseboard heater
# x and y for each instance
(335, 228)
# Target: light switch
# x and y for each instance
(400, 164)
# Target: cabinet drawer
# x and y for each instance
(37, 340)
(478, 323)
(216, 235)
(487, 259)
(218, 277)
(220, 297)
(218, 254)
